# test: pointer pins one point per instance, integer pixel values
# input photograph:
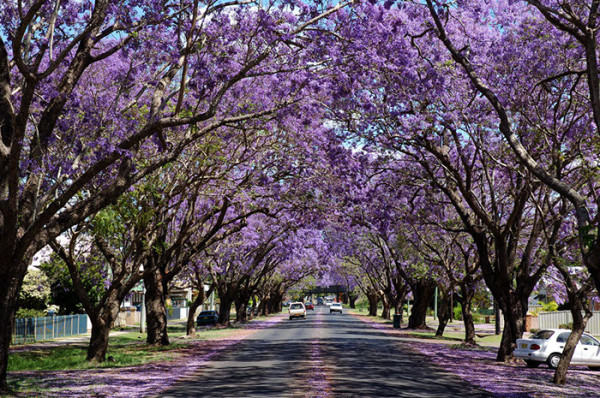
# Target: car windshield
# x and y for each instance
(336, 305)
(543, 335)
(207, 313)
(295, 306)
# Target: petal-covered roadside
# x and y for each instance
(514, 380)
(139, 381)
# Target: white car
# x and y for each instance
(335, 307)
(297, 310)
(547, 346)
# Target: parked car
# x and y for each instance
(207, 318)
(297, 310)
(287, 303)
(335, 307)
(547, 346)
(320, 301)
(309, 305)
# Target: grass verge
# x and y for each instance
(127, 348)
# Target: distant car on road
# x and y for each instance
(309, 305)
(335, 307)
(287, 303)
(207, 318)
(547, 346)
(297, 310)
(320, 301)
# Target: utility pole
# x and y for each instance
(143, 311)
(435, 303)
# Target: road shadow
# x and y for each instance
(325, 354)
(252, 368)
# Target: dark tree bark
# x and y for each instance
(385, 313)
(581, 312)
(373, 301)
(9, 295)
(102, 321)
(352, 300)
(227, 298)
(423, 291)
(513, 313)
(444, 310)
(466, 298)
(198, 301)
(241, 308)
(156, 309)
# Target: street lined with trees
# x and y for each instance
(404, 150)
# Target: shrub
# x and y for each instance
(29, 313)
(566, 325)
(457, 312)
(549, 307)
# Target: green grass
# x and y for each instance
(122, 351)
(126, 349)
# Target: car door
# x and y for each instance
(590, 350)
(561, 340)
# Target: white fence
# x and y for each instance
(551, 320)
(127, 318)
(177, 313)
(130, 318)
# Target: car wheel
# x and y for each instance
(532, 364)
(291, 318)
(553, 361)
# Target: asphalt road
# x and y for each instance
(325, 355)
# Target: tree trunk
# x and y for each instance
(10, 285)
(101, 324)
(423, 292)
(156, 310)
(241, 309)
(276, 304)
(513, 312)
(98, 342)
(560, 375)
(198, 301)
(444, 312)
(224, 309)
(466, 298)
(372, 304)
(385, 313)
(352, 300)
(581, 313)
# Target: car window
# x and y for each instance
(295, 306)
(206, 313)
(588, 340)
(562, 338)
(543, 335)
